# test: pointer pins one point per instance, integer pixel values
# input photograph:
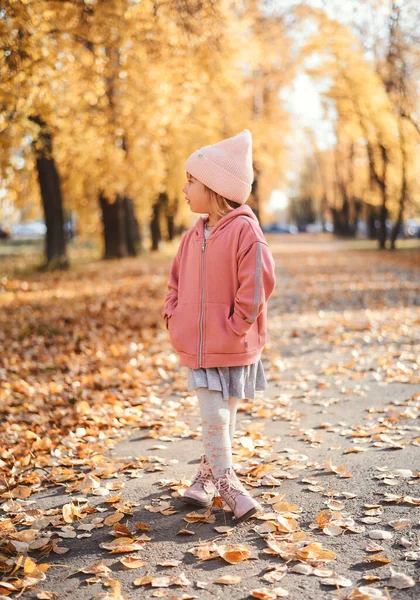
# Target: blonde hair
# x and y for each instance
(221, 204)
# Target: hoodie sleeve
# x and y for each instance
(171, 299)
(256, 268)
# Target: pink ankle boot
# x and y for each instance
(201, 491)
(236, 496)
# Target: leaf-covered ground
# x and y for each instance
(99, 437)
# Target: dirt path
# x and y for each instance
(337, 431)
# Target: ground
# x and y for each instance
(331, 448)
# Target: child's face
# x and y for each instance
(196, 195)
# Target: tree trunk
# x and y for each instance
(131, 227)
(370, 221)
(336, 221)
(345, 215)
(382, 236)
(340, 217)
(170, 220)
(404, 186)
(324, 208)
(155, 229)
(380, 177)
(255, 194)
(49, 181)
(170, 225)
(113, 219)
(357, 208)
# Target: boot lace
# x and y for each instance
(230, 488)
(203, 474)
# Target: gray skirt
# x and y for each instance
(241, 382)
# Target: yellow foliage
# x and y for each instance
(129, 90)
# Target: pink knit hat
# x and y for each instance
(225, 167)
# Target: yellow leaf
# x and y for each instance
(228, 579)
(170, 563)
(143, 580)
(315, 551)
(377, 558)
(285, 507)
(120, 540)
(21, 491)
(122, 547)
(195, 517)
(17, 565)
(70, 512)
(29, 566)
(132, 562)
(235, 553)
(286, 524)
(264, 594)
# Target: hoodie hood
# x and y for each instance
(241, 211)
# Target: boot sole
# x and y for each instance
(247, 515)
(195, 502)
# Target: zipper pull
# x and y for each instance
(203, 247)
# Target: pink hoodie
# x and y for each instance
(218, 292)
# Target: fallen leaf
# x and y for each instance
(224, 529)
(315, 551)
(170, 563)
(366, 593)
(332, 530)
(400, 580)
(98, 568)
(373, 547)
(379, 534)
(235, 553)
(302, 569)
(132, 562)
(376, 558)
(275, 574)
(281, 592)
(112, 519)
(228, 579)
(143, 580)
(185, 532)
(337, 581)
(264, 594)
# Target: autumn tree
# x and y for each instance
(368, 113)
(116, 95)
(28, 80)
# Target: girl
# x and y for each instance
(216, 309)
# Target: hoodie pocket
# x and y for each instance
(252, 338)
(183, 328)
(219, 338)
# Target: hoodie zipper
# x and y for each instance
(203, 247)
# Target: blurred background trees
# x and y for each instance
(372, 65)
(102, 101)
